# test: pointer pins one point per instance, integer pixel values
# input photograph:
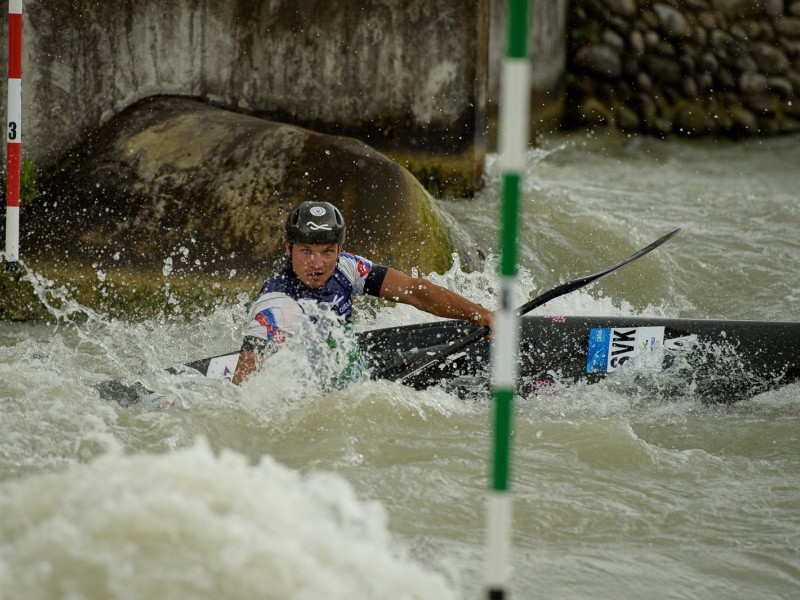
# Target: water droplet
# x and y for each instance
(167, 266)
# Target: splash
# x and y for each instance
(84, 345)
(221, 528)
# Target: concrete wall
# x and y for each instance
(410, 73)
(547, 48)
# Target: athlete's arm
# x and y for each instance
(251, 358)
(268, 324)
(247, 365)
(435, 299)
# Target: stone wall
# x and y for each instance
(685, 67)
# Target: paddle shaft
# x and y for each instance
(406, 370)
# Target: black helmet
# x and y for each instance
(315, 223)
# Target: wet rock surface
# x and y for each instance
(174, 178)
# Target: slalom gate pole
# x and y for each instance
(513, 142)
(14, 139)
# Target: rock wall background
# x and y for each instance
(685, 67)
(416, 75)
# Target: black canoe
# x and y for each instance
(717, 360)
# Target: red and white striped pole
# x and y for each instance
(14, 139)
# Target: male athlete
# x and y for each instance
(318, 269)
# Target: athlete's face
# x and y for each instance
(313, 263)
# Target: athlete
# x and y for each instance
(318, 269)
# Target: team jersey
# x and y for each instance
(276, 311)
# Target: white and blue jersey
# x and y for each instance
(275, 312)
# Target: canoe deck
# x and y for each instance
(717, 361)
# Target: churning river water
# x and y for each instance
(281, 490)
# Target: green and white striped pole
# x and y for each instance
(513, 143)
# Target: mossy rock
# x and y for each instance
(177, 184)
(50, 290)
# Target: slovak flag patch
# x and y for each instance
(363, 268)
(273, 333)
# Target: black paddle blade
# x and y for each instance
(419, 363)
(131, 395)
(571, 286)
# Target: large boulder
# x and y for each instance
(177, 183)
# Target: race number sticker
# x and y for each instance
(612, 347)
(222, 367)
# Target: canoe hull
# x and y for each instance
(718, 360)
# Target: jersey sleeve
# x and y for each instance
(271, 318)
(366, 276)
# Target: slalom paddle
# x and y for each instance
(422, 360)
